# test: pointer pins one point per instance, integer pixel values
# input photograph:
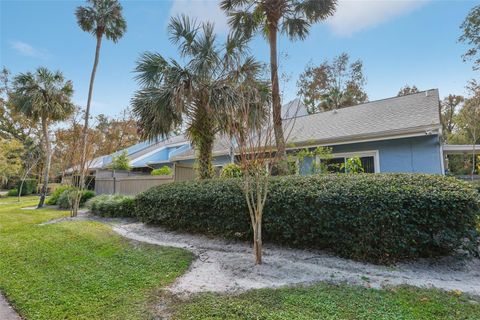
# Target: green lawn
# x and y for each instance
(78, 270)
(324, 301)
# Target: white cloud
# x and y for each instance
(203, 11)
(356, 15)
(28, 50)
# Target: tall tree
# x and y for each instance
(43, 96)
(11, 151)
(471, 36)
(333, 85)
(116, 133)
(100, 18)
(469, 119)
(269, 17)
(406, 89)
(449, 106)
(195, 94)
(13, 124)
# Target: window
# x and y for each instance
(369, 161)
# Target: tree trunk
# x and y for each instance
(474, 155)
(46, 169)
(205, 167)
(257, 241)
(276, 102)
(85, 127)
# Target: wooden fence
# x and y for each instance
(131, 183)
(184, 173)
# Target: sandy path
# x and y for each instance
(223, 266)
(6, 311)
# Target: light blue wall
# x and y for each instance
(417, 154)
(217, 161)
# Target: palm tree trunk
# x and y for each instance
(205, 167)
(46, 169)
(276, 103)
(83, 159)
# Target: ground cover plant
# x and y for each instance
(78, 270)
(326, 301)
(380, 218)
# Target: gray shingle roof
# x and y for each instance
(388, 117)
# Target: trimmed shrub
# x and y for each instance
(380, 218)
(231, 170)
(476, 184)
(52, 200)
(163, 171)
(12, 192)
(112, 206)
(29, 186)
(65, 199)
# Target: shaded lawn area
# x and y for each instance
(78, 270)
(325, 301)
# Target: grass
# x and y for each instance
(325, 301)
(78, 270)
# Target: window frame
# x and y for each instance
(360, 154)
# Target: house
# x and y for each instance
(399, 134)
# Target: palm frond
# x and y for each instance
(183, 31)
(295, 28)
(227, 5)
(154, 110)
(150, 69)
(315, 10)
(86, 19)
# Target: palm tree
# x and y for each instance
(43, 96)
(101, 18)
(290, 17)
(196, 94)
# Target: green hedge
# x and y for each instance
(29, 187)
(66, 197)
(373, 217)
(112, 206)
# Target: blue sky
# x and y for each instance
(400, 42)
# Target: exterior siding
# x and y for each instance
(217, 161)
(415, 155)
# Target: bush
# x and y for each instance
(52, 200)
(476, 184)
(163, 171)
(231, 170)
(12, 192)
(112, 206)
(29, 186)
(65, 200)
(380, 218)
(120, 162)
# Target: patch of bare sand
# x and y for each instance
(227, 266)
